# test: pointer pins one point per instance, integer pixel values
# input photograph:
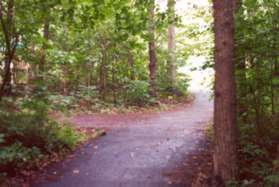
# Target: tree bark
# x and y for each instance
(171, 69)
(11, 41)
(6, 87)
(103, 75)
(225, 130)
(152, 49)
(46, 38)
(131, 65)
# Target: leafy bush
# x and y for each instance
(17, 156)
(180, 88)
(86, 92)
(82, 96)
(65, 136)
(182, 85)
(26, 133)
(272, 180)
(137, 93)
(61, 102)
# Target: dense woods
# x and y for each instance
(81, 55)
(84, 45)
(256, 61)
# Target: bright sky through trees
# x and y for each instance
(187, 9)
(184, 5)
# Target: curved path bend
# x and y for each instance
(136, 155)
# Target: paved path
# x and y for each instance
(137, 155)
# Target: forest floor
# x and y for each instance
(147, 149)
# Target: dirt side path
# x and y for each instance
(138, 151)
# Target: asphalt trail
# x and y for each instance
(135, 155)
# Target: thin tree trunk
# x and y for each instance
(14, 74)
(171, 45)
(225, 130)
(6, 87)
(64, 81)
(131, 65)
(152, 49)
(43, 52)
(103, 75)
(11, 41)
(272, 87)
(242, 90)
(114, 82)
(89, 76)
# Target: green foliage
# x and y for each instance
(27, 134)
(182, 85)
(65, 136)
(90, 43)
(137, 92)
(17, 156)
(80, 54)
(2, 136)
(60, 102)
(180, 88)
(257, 60)
(272, 180)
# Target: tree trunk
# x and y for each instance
(171, 69)
(225, 130)
(103, 75)
(43, 52)
(6, 87)
(131, 66)
(242, 90)
(11, 41)
(14, 74)
(64, 81)
(152, 49)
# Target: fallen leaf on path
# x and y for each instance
(132, 155)
(75, 171)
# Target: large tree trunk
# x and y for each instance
(225, 149)
(171, 69)
(152, 49)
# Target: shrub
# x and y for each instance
(61, 102)
(18, 156)
(83, 96)
(137, 93)
(182, 85)
(180, 88)
(26, 133)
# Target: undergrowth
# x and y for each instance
(28, 135)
